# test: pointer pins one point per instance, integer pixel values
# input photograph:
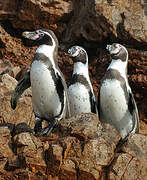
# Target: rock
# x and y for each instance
(96, 21)
(124, 166)
(5, 144)
(7, 68)
(23, 113)
(30, 150)
(143, 128)
(28, 14)
(79, 147)
(87, 146)
(132, 163)
(137, 146)
(116, 20)
(8, 9)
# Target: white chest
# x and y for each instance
(113, 102)
(44, 95)
(79, 99)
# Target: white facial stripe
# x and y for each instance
(116, 51)
(76, 53)
(121, 46)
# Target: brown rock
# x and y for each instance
(5, 144)
(135, 170)
(119, 165)
(87, 146)
(124, 166)
(30, 151)
(8, 9)
(98, 20)
(137, 146)
(143, 128)
(7, 68)
(23, 112)
(28, 14)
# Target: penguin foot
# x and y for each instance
(47, 130)
(38, 125)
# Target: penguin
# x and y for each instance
(81, 95)
(116, 104)
(49, 89)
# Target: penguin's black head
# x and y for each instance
(41, 36)
(118, 51)
(78, 54)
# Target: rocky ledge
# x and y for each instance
(79, 147)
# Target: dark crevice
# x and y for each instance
(8, 27)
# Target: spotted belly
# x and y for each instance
(114, 107)
(79, 99)
(45, 99)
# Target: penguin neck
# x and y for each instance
(47, 50)
(80, 68)
(120, 66)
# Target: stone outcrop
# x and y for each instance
(92, 20)
(78, 148)
(103, 20)
(23, 111)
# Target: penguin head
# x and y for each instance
(78, 54)
(118, 51)
(41, 36)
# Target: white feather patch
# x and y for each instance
(44, 96)
(79, 99)
(114, 106)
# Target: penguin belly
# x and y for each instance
(45, 99)
(114, 107)
(79, 99)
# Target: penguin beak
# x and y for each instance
(30, 35)
(73, 52)
(109, 48)
(112, 49)
(70, 51)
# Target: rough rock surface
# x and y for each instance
(80, 147)
(96, 20)
(23, 112)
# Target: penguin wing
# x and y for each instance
(22, 85)
(134, 111)
(98, 104)
(93, 103)
(68, 114)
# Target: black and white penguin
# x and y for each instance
(116, 104)
(49, 90)
(81, 95)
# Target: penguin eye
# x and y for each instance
(41, 34)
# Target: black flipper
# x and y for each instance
(98, 104)
(22, 85)
(134, 112)
(93, 103)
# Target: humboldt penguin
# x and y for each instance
(49, 90)
(81, 95)
(116, 104)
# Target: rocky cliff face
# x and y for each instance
(83, 148)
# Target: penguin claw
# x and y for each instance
(47, 130)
